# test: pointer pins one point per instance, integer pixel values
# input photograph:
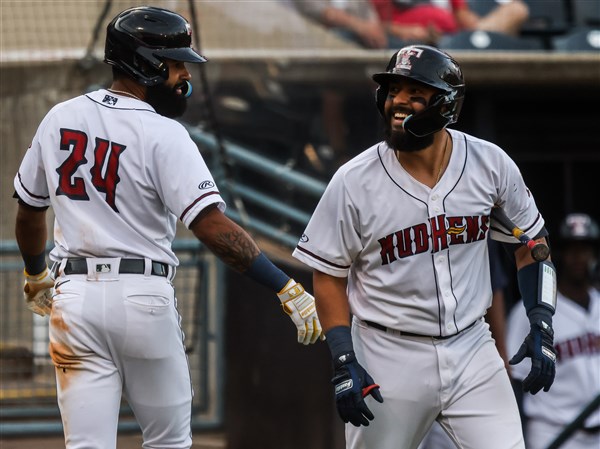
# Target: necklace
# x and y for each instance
(439, 172)
(122, 92)
(439, 175)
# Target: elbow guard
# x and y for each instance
(537, 284)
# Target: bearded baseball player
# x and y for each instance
(576, 341)
(118, 172)
(402, 278)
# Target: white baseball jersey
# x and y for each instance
(416, 257)
(577, 344)
(118, 176)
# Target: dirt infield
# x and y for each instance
(128, 441)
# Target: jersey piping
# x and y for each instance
(394, 181)
(311, 254)
(461, 173)
(120, 108)
(449, 264)
(214, 192)
(28, 192)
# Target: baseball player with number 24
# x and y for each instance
(118, 172)
(401, 271)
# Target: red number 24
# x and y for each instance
(74, 187)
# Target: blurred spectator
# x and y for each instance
(576, 340)
(426, 21)
(356, 20)
(496, 318)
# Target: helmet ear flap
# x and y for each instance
(380, 95)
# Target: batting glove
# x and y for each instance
(538, 345)
(352, 385)
(38, 291)
(301, 308)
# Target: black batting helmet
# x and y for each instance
(139, 39)
(435, 68)
(579, 227)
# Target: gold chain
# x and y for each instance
(122, 92)
(439, 175)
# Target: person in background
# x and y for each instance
(356, 20)
(427, 21)
(576, 341)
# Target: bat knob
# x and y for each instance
(540, 252)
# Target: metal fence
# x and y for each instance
(28, 392)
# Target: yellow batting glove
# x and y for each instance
(38, 291)
(301, 308)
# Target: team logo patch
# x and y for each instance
(110, 100)
(344, 386)
(206, 185)
(304, 238)
(456, 230)
(403, 59)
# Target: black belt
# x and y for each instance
(127, 266)
(411, 334)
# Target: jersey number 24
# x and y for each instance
(74, 187)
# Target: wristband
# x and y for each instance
(339, 339)
(537, 284)
(34, 264)
(264, 272)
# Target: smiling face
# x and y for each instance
(168, 98)
(405, 97)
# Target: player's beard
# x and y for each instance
(166, 101)
(402, 140)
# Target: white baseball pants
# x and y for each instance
(461, 382)
(119, 335)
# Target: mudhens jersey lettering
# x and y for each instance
(118, 176)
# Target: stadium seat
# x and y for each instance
(547, 17)
(586, 12)
(482, 7)
(485, 40)
(584, 39)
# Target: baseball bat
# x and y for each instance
(539, 251)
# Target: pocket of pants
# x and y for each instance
(150, 301)
(151, 324)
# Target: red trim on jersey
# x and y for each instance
(314, 256)
(28, 192)
(195, 201)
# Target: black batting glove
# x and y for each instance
(539, 346)
(352, 385)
